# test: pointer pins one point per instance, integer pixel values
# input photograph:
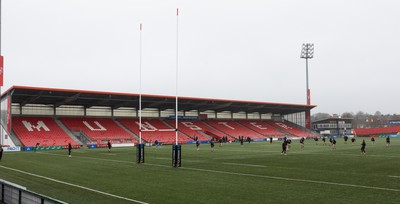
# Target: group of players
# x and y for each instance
(221, 141)
(109, 145)
(286, 143)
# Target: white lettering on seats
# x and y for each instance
(258, 126)
(99, 127)
(283, 126)
(226, 124)
(146, 126)
(191, 126)
(40, 124)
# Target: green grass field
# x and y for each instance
(252, 173)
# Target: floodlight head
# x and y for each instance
(307, 51)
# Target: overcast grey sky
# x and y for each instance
(244, 50)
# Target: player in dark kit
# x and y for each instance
(353, 140)
(302, 142)
(197, 145)
(284, 146)
(270, 140)
(333, 143)
(69, 149)
(316, 140)
(387, 141)
(345, 139)
(288, 144)
(37, 146)
(324, 140)
(373, 140)
(212, 144)
(363, 147)
(109, 145)
(241, 140)
(1, 151)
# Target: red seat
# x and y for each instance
(261, 127)
(376, 131)
(290, 129)
(43, 130)
(193, 128)
(99, 129)
(153, 129)
(234, 129)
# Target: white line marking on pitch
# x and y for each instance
(292, 179)
(260, 166)
(162, 158)
(80, 152)
(74, 185)
(257, 176)
(249, 165)
(109, 154)
(394, 177)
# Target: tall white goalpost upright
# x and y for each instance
(176, 149)
(176, 84)
(140, 146)
(140, 86)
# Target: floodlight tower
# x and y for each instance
(307, 52)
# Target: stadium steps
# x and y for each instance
(284, 132)
(250, 129)
(127, 130)
(222, 132)
(82, 137)
(204, 134)
(312, 133)
(270, 130)
(15, 139)
(215, 129)
(13, 136)
(67, 131)
(167, 124)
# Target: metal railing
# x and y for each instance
(11, 193)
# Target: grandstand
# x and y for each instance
(58, 116)
(55, 117)
(373, 132)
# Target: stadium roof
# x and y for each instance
(58, 97)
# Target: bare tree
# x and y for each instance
(320, 116)
(347, 115)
